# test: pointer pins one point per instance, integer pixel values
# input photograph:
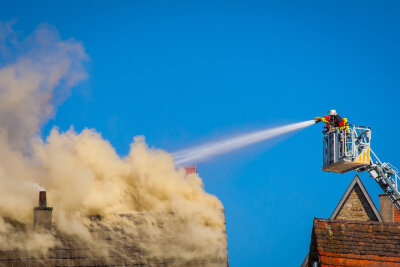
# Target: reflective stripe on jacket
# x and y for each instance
(326, 119)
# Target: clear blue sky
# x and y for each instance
(183, 72)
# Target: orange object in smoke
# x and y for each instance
(190, 169)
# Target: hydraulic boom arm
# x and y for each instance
(349, 149)
(386, 176)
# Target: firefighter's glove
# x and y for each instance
(317, 119)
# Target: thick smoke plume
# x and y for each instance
(81, 172)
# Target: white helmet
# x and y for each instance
(332, 112)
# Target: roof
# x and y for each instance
(116, 246)
(364, 203)
(352, 243)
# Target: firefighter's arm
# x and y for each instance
(346, 123)
(325, 119)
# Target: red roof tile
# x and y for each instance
(354, 243)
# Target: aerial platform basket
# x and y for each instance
(346, 149)
(350, 149)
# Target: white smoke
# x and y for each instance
(42, 74)
(81, 172)
(208, 150)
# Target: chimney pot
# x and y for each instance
(42, 199)
(190, 169)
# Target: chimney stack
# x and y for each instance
(42, 214)
(190, 169)
(388, 210)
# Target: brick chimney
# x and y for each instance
(42, 214)
(190, 169)
(389, 212)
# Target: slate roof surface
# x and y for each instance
(355, 243)
(123, 251)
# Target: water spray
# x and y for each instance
(206, 151)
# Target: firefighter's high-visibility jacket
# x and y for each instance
(344, 124)
(327, 120)
(335, 121)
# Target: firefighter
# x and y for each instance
(333, 120)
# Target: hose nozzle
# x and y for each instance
(317, 119)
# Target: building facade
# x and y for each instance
(356, 234)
